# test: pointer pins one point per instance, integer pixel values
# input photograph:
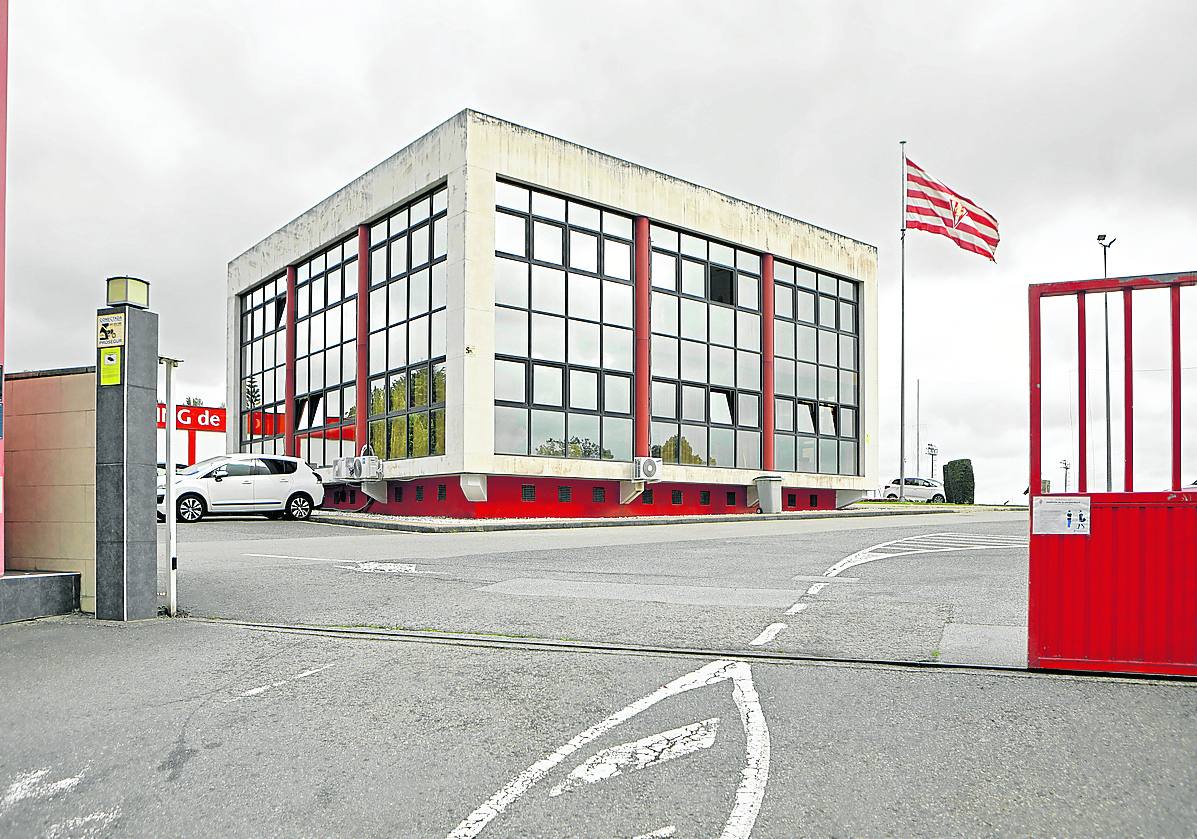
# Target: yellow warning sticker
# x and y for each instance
(110, 366)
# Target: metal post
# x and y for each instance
(1105, 273)
(918, 431)
(172, 551)
(902, 352)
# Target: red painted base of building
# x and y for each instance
(515, 497)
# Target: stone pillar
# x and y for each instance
(126, 466)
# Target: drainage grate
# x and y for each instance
(528, 492)
(565, 493)
(440, 492)
(677, 497)
(598, 495)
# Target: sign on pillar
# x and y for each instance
(126, 454)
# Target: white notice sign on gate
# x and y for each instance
(1061, 515)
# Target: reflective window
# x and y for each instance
(407, 339)
(816, 375)
(563, 296)
(262, 366)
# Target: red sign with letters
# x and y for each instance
(195, 418)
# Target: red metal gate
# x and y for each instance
(1113, 575)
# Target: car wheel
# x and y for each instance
(299, 507)
(938, 499)
(190, 508)
(891, 497)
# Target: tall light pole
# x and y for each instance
(1065, 465)
(1105, 299)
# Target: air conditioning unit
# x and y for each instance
(367, 468)
(646, 469)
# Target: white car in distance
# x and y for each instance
(917, 489)
(233, 484)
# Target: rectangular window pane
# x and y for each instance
(807, 454)
(548, 289)
(511, 234)
(548, 433)
(583, 251)
(664, 400)
(511, 430)
(722, 447)
(584, 297)
(583, 436)
(548, 337)
(692, 447)
(583, 390)
(663, 441)
(511, 282)
(511, 332)
(617, 394)
(584, 343)
(617, 348)
(547, 385)
(509, 381)
(664, 271)
(546, 242)
(783, 414)
(748, 449)
(617, 438)
(617, 259)
(418, 434)
(617, 304)
(398, 447)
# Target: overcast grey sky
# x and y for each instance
(163, 139)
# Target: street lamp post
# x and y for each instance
(1105, 298)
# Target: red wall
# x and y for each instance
(505, 499)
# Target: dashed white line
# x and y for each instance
(663, 833)
(768, 635)
(260, 689)
(815, 589)
(796, 608)
(303, 558)
(30, 785)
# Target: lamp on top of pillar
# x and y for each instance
(128, 291)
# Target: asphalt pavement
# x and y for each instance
(365, 713)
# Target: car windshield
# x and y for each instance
(202, 466)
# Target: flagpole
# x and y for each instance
(902, 352)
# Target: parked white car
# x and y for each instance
(917, 489)
(244, 483)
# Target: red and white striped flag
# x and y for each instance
(933, 207)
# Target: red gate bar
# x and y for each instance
(1121, 597)
(1175, 307)
(1082, 398)
(1128, 422)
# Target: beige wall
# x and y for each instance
(50, 476)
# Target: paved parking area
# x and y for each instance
(939, 588)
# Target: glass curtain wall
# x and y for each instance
(326, 354)
(563, 327)
(706, 351)
(263, 367)
(816, 371)
(408, 296)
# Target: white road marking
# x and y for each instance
(796, 608)
(924, 544)
(753, 777)
(303, 558)
(30, 785)
(84, 827)
(768, 634)
(387, 568)
(663, 833)
(649, 751)
(258, 691)
(815, 589)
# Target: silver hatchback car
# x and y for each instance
(231, 484)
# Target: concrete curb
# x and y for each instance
(375, 522)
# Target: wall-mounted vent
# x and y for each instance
(598, 495)
(528, 492)
(565, 494)
(676, 497)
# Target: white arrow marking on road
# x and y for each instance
(753, 777)
(650, 751)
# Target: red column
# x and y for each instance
(191, 441)
(767, 418)
(1082, 398)
(1128, 422)
(360, 437)
(642, 288)
(289, 408)
(1176, 387)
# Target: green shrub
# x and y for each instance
(958, 483)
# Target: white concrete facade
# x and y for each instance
(469, 152)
